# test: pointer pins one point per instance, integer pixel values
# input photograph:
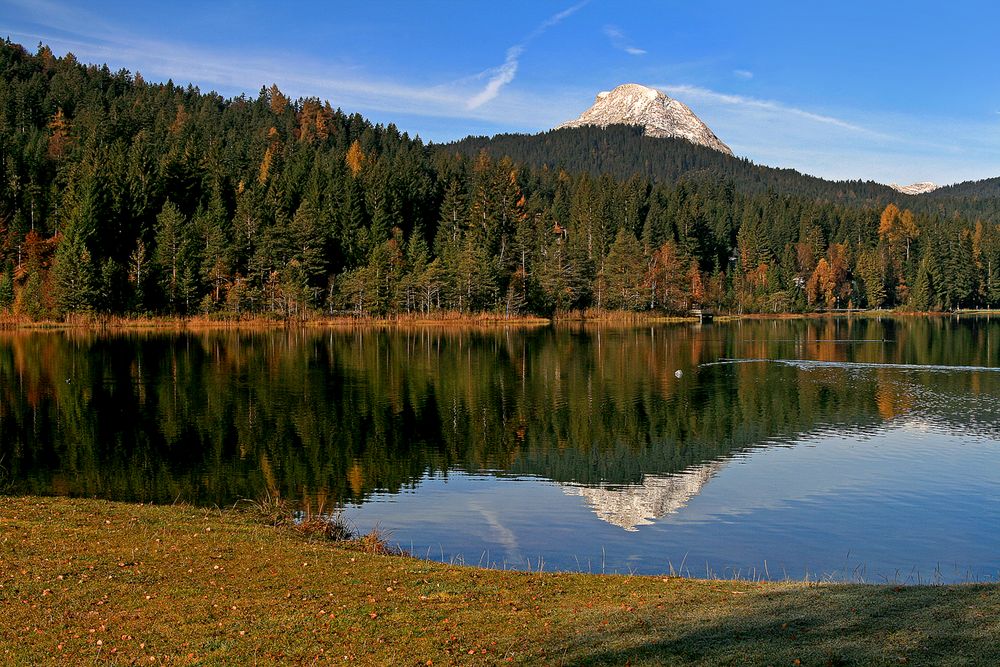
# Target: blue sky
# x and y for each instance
(885, 91)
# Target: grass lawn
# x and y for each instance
(88, 581)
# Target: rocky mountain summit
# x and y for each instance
(914, 188)
(659, 115)
(631, 506)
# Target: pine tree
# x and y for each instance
(872, 276)
(307, 240)
(216, 248)
(922, 296)
(622, 277)
(559, 276)
(172, 245)
(6, 291)
(139, 270)
(73, 276)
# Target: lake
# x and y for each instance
(858, 449)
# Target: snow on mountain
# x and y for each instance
(659, 115)
(642, 504)
(915, 188)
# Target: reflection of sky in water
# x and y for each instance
(907, 502)
(858, 448)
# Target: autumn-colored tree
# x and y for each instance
(265, 165)
(821, 285)
(667, 280)
(314, 121)
(59, 137)
(180, 120)
(698, 292)
(34, 299)
(828, 284)
(899, 228)
(355, 158)
(278, 100)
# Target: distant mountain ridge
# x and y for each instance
(915, 188)
(660, 116)
(625, 151)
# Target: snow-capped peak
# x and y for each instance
(915, 188)
(657, 114)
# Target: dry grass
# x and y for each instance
(200, 322)
(436, 319)
(85, 581)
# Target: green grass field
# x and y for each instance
(88, 581)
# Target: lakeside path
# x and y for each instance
(90, 581)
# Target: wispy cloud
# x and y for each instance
(501, 77)
(697, 92)
(742, 73)
(347, 85)
(621, 42)
(505, 73)
(885, 147)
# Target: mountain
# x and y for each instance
(631, 506)
(914, 188)
(659, 116)
(624, 152)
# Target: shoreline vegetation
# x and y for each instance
(88, 580)
(126, 196)
(445, 318)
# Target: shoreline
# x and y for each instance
(485, 320)
(93, 580)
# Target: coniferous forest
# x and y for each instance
(124, 197)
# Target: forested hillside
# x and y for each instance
(125, 197)
(624, 151)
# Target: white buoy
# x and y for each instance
(678, 373)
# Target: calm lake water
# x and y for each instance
(856, 449)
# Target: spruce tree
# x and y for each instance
(6, 291)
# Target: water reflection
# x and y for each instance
(595, 415)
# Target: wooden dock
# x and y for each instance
(702, 314)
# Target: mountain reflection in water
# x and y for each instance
(345, 417)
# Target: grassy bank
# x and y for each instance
(439, 318)
(84, 581)
(200, 322)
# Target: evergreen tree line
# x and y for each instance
(120, 196)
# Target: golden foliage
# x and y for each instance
(314, 121)
(278, 100)
(265, 165)
(59, 139)
(697, 284)
(180, 120)
(355, 158)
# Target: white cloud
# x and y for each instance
(697, 92)
(501, 77)
(350, 87)
(743, 73)
(505, 73)
(879, 146)
(621, 42)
